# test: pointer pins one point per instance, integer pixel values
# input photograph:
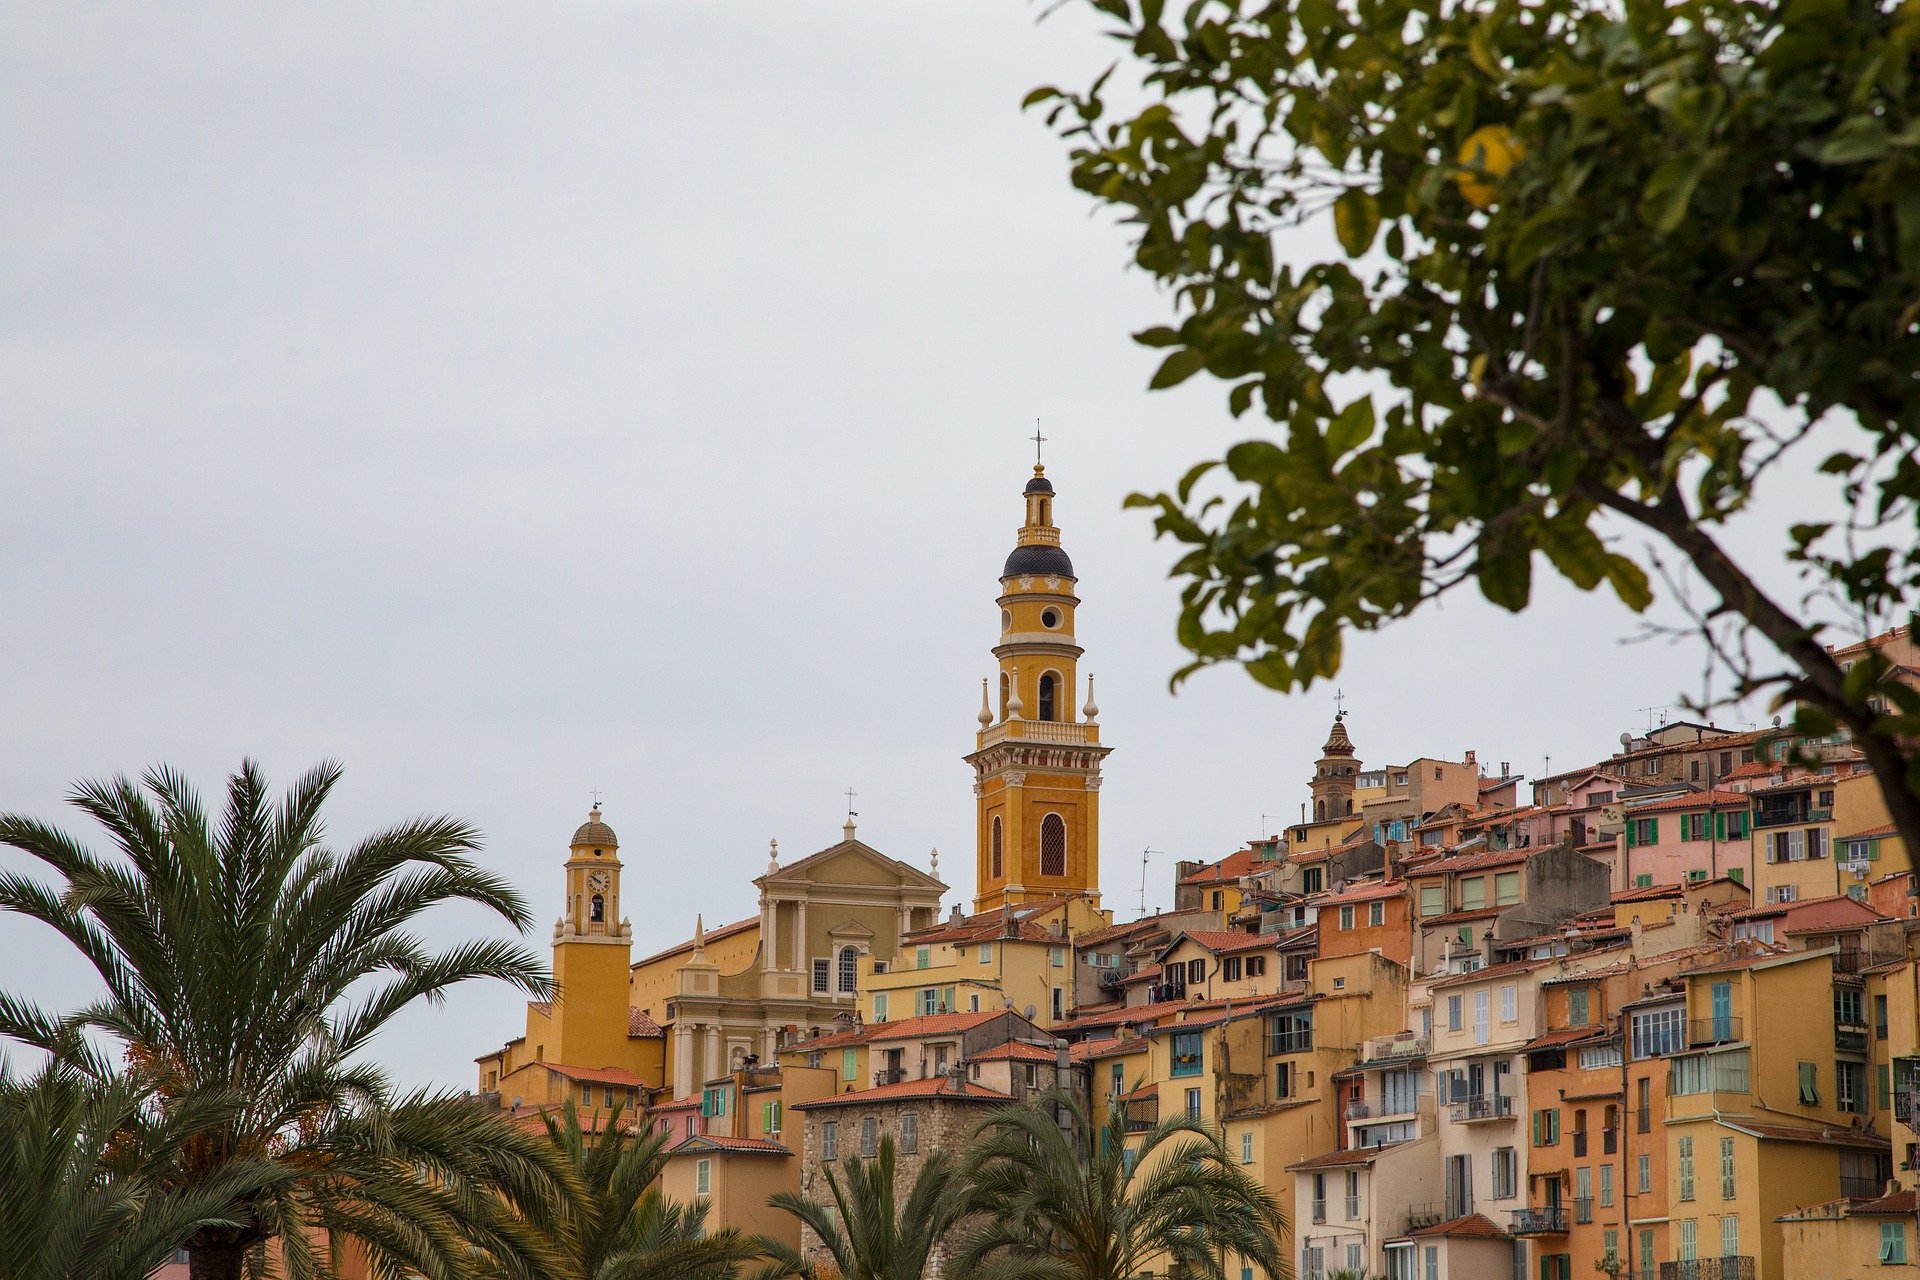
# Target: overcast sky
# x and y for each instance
(511, 400)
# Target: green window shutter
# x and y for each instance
(1633, 825)
(1536, 1128)
(1720, 826)
(946, 998)
(1553, 1126)
(1643, 881)
(1653, 831)
(1809, 1085)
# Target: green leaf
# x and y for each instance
(1356, 217)
(1857, 139)
(1177, 368)
(1158, 336)
(1351, 429)
(1663, 204)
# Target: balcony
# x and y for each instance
(1736, 1267)
(1786, 815)
(1579, 1144)
(1854, 1186)
(1482, 1107)
(1040, 731)
(1706, 1031)
(1358, 1111)
(1545, 1220)
(1423, 1215)
(1143, 1114)
(1352, 1206)
(1399, 1048)
(1849, 1039)
(1318, 1210)
(1609, 1141)
(889, 1075)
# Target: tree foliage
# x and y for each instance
(1600, 264)
(867, 1232)
(244, 959)
(1175, 1203)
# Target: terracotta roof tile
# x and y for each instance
(1015, 1050)
(1228, 869)
(1690, 801)
(929, 1024)
(1364, 891)
(1828, 1137)
(1900, 1203)
(1874, 833)
(1462, 917)
(1350, 1158)
(642, 1027)
(932, 1087)
(1220, 942)
(597, 1075)
(1475, 1226)
(701, 1142)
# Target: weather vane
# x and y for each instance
(596, 797)
(850, 795)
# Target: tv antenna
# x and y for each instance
(1144, 855)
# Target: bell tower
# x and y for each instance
(1335, 774)
(1037, 756)
(591, 953)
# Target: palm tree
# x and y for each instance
(868, 1235)
(73, 1205)
(619, 1225)
(243, 957)
(1175, 1203)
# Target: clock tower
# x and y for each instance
(591, 953)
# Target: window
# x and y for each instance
(1473, 893)
(1658, 1032)
(1290, 1032)
(1546, 1127)
(1284, 1079)
(1849, 1006)
(1646, 1255)
(770, 1117)
(1643, 1174)
(910, 1132)
(1230, 969)
(1057, 957)
(1509, 1012)
(703, 1177)
(1431, 902)
(1643, 830)
(1850, 1087)
(1729, 1237)
(986, 953)
(1506, 889)
(1117, 1080)
(1809, 1084)
(1506, 1173)
(1643, 1104)
(713, 1102)
(1246, 1147)
(1583, 1194)
(1685, 1149)
(1893, 1242)
(1048, 689)
(1453, 1013)
(1708, 1073)
(1053, 845)
(880, 1006)
(849, 970)
(1577, 1010)
(849, 1064)
(1726, 1169)
(1353, 1195)
(1481, 999)
(922, 957)
(1606, 1186)
(821, 974)
(1193, 1104)
(1256, 966)
(1186, 1053)
(1196, 971)
(1346, 917)
(869, 1136)
(1059, 1003)
(994, 842)
(830, 1140)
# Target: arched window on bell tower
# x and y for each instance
(1320, 810)
(999, 867)
(1049, 690)
(1006, 694)
(597, 910)
(1053, 845)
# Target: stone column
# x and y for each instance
(682, 1060)
(801, 959)
(715, 1063)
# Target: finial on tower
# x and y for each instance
(986, 707)
(773, 856)
(851, 813)
(933, 864)
(1090, 712)
(1014, 705)
(699, 937)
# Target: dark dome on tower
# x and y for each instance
(1039, 484)
(595, 832)
(1038, 558)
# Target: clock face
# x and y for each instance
(597, 881)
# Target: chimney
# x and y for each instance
(957, 1076)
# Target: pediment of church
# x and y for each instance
(850, 862)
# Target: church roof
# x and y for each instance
(1038, 559)
(594, 831)
(1338, 743)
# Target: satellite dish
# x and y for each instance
(1776, 722)
(1626, 739)
(1031, 1011)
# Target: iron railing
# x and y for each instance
(1733, 1267)
(1702, 1031)
(1542, 1220)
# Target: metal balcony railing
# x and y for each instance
(1486, 1106)
(1352, 1207)
(1609, 1141)
(889, 1075)
(1423, 1215)
(1319, 1210)
(1849, 1039)
(1735, 1267)
(1702, 1031)
(1543, 1220)
(1358, 1111)
(1579, 1143)
(1861, 1187)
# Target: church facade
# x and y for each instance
(730, 997)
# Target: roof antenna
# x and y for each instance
(1144, 855)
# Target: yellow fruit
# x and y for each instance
(1485, 157)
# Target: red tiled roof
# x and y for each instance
(1142, 974)
(1475, 861)
(931, 1087)
(1112, 1047)
(1751, 769)
(1649, 893)
(1475, 1226)
(1900, 1203)
(1462, 917)
(713, 936)
(1364, 891)
(1490, 971)
(836, 1040)
(1874, 833)
(1828, 1137)
(1093, 937)
(1836, 911)
(1017, 1050)
(1563, 1037)
(929, 1024)
(642, 1027)
(1229, 868)
(1220, 942)
(597, 1075)
(700, 1142)
(1338, 1159)
(1138, 1013)
(543, 1007)
(1692, 800)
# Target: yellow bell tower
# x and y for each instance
(591, 953)
(1037, 757)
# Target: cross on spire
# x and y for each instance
(850, 794)
(596, 797)
(1038, 440)
(1339, 705)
